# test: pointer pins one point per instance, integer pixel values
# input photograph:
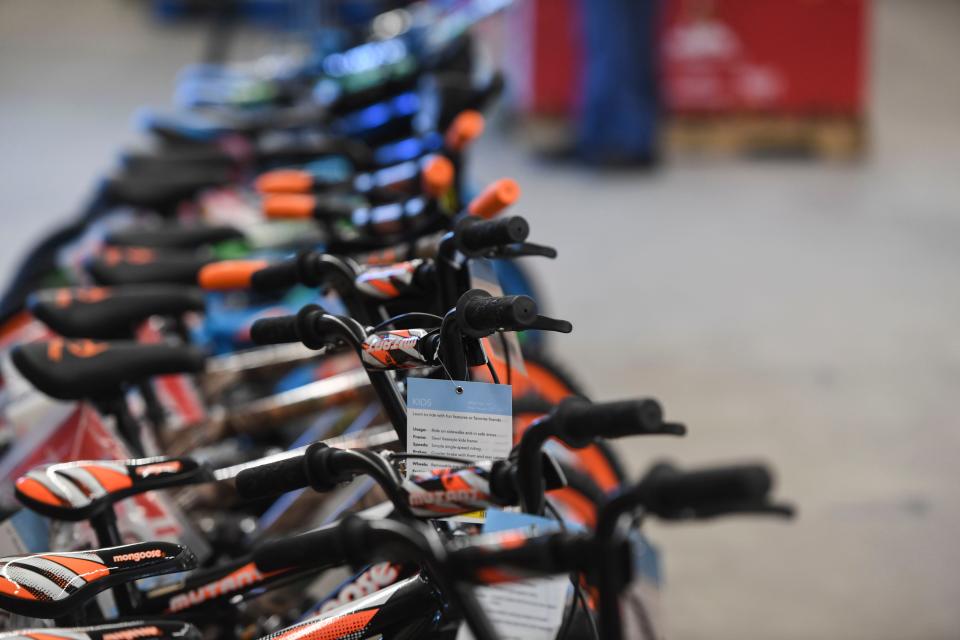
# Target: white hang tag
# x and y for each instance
(469, 420)
(527, 610)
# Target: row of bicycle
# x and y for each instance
(285, 376)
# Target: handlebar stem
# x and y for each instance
(530, 465)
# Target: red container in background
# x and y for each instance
(796, 57)
(556, 58)
(790, 57)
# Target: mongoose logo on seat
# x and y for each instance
(132, 634)
(137, 556)
(245, 576)
(156, 469)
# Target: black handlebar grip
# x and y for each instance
(670, 491)
(481, 315)
(278, 330)
(279, 276)
(322, 547)
(581, 420)
(272, 479)
(488, 234)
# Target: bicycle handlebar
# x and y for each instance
(495, 198)
(284, 181)
(481, 315)
(280, 330)
(278, 477)
(322, 468)
(277, 276)
(475, 235)
(297, 328)
(577, 421)
(229, 274)
(321, 547)
(673, 494)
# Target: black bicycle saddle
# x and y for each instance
(80, 490)
(110, 314)
(142, 265)
(173, 236)
(159, 191)
(152, 629)
(84, 369)
(51, 585)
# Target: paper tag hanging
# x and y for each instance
(526, 610)
(470, 420)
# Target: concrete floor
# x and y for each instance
(798, 313)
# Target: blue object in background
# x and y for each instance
(621, 109)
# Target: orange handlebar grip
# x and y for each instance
(284, 181)
(465, 128)
(437, 176)
(495, 198)
(229, 274)
(289, 206)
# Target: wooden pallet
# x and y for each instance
(829, 137)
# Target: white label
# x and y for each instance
(527, 610)
(476, 424)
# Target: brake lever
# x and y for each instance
(673, 429)
(543, 323)
(523, 249)
(745, 509)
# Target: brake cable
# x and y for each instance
(406, 316)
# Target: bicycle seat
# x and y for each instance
(173, 236)
(161, 190)
(167, 158)
(80, 490)
(152, 629)
(195, 127)
(140, 265)
(51, 585)
(83, 369)
(110, 314)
